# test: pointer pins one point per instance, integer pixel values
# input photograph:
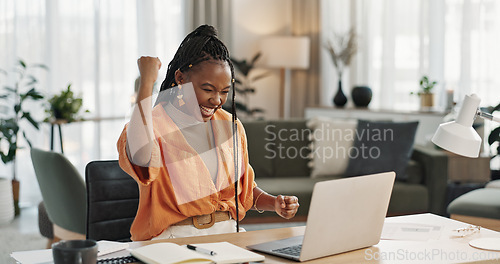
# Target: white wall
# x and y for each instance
(252, 21)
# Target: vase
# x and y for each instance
(339, 99)
(426, 100)
(361, 96)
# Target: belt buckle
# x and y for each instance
(204, 226)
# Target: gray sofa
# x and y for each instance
(423, 191)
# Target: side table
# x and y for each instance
(468, 170)
(465, 175)
(58, 123)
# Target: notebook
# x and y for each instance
(163, 253)
(344, 215)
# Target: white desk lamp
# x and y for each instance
(459, 137)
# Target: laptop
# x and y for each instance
(345, 214)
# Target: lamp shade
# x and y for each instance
(285, 52)
(458, 136)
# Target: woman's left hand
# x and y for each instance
(286, 206)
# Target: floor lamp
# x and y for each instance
(285, 53)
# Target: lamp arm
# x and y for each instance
(488, 116)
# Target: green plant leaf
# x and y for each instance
(496, 108)
(30, 119)
(17, 108)
(240, 106)
(10, 89)
(12, 152)
(34, 94)
(38, 65)
(494, 136)
(8, 125)
(239, 90)
(22, 63)
(250, 90)
(257, 110)
(27, 140)
(32, 80)
(255, 58)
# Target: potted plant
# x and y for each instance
(493, 138)
(64, 107)
(244, 85)
(425, 93)
(24, 89)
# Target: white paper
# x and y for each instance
(44, 256)
(409, 231)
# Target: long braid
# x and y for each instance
(235, 147)
(201, 45)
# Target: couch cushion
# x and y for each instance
(260, 147)
(380, 147)
(331, 141)
(480, 203)
(302, 187)
(414, 172)
(291, 144)
(493, 184)
(409, 198)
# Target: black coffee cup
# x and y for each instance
(75, 252)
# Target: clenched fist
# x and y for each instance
(286, 206)
(148, 68)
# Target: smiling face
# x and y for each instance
(211, 81)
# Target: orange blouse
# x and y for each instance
(178, 185)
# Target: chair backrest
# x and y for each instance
(112, 201)
(62, 188)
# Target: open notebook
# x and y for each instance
(163, 253)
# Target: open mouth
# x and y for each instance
(207, 111)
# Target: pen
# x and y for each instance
(201, 250)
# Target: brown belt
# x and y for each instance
(205, 221)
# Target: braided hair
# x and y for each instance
(198, 46)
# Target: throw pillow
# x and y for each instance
(331, 141)
(380, 147)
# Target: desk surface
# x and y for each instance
(445, 250)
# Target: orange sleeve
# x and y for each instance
(143, 175)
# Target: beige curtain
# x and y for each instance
(305, 86)
(212, 12)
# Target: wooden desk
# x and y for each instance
(444, 250)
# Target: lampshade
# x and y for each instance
(458, 136)
(285, 52)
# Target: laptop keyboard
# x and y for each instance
(292, 250)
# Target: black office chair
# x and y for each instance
(112, 201)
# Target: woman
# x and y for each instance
(183, 153)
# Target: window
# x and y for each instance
(94, 46)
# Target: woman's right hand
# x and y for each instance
(148, 68)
